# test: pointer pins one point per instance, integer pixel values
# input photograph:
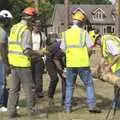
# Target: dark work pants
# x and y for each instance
(37, 72)
(24, 77)
(53, 73)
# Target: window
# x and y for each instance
(109, 29)
(104, 30)
(98, 14)
(113, 29)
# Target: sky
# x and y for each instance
(113, 1)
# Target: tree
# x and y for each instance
(56, 1)
(4, 4)
(16, 7)
(45, 13)
(82, 1)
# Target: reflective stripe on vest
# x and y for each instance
(15, 55)
(106, 53)
(76, 50)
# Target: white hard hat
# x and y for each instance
(6, 14)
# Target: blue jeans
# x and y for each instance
(86, 77)
(2, 78)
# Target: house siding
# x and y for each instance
(106, 11)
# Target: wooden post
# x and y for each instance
(117, 25)
(66, 9)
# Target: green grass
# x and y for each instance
(104, 95)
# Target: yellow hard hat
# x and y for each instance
(78, 14)
(93, 35)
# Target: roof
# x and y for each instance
(89, 9)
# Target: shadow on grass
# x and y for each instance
(78, 102)
(43, 106)
(54, 109)
(104, 103)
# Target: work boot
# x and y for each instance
(95, 110)
(68, 109)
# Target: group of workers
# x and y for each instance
(23, 54)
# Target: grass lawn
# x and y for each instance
(104, 95)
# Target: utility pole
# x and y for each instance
(66, 9)
(117, 26)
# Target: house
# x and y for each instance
(100, 16)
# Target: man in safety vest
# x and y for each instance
(20, 55)
(76, 42)
(5, 20)
(110, 48)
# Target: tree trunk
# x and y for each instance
(66, 7)
(117, 18)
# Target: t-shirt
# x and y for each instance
(36, 40)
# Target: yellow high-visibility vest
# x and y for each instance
(106, 54)
(15, 51)
(76, 49)
(93, 35)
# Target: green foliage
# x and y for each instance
(90, 1)
(16, 8)
(56, 1)
(82, 1)
(4, 4)
(45, 11)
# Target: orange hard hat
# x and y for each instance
(30, 11)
